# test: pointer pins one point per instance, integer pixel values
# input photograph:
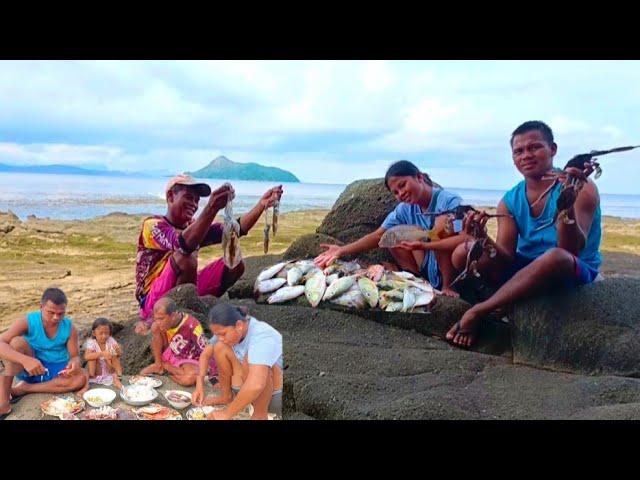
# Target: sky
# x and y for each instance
(324, 121)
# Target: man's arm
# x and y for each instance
(195, 233)
(251, 388)
(17, 329)
(74, 364)
(573, 237)
(507, 235)
(269, 199)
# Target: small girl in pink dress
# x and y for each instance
(102, 354)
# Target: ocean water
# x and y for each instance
(81, 197)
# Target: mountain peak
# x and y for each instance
(221, 161)
(222, 167)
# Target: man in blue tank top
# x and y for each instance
(41, 350)
(530, 257)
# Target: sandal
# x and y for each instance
(16, 399)
(458, 330)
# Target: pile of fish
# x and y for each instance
(345, 283)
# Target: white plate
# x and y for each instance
(143, 380)
(245, 414)
(178, 404)
(134, 395)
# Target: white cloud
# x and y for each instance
(326, 119)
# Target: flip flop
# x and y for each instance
(459, 330)
(16, 399)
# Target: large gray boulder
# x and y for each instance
(308, 246)
(360, 210)
(340, 366)
(594, 329)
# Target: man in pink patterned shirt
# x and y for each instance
(168, 245)
(177, 343)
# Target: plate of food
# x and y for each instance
(58, 406)
(108, 413)
(99, 397)
(200, 413)
(147, 381)
(138, 395)
(155, 411)
(178, 398)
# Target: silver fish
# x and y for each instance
(270, 285)
(351, 299)
(267, 273)
(404, 275)
(369, 290)
(341, 285)
(408, 300)
(348, 267)
(315, 287)
(305, 265)
(286, 293)
(294, 275)
(404, 233)
(421, 285)
(424, 299)
(394, 307)
(332, 278)
(391, 295)
(331, 269)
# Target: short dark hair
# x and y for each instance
(225, 314)
(404, 168)
(531, 125)
(54, 295)
(171, 306)
(99, 322)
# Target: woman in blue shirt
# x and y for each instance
(417, 194)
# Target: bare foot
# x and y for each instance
(153, 368)
(449, 292)
(18, 389)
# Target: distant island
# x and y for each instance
(222, 167)
(61, 170)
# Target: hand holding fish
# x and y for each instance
(271, 197)
(414, 245)
(221, 196)
(333, 253)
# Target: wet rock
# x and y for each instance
(308, 246)
(360, 210)
(594, 329)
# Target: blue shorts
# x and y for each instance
(53, 369)
(583, 274)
